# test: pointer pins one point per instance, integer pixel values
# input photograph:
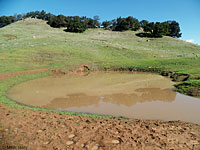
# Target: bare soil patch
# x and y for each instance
(10, 36)
(8, 75)
(42, 130)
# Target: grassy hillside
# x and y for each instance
(32, 44)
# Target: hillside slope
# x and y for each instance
(31, 44)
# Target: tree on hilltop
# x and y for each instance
(149, 27)
(96, 21)
(158, 30)
(76, 25)
(136, 24)
(4, 20)
(106, 24)
(143, 23)
(121, 24)
(174, 29)
(166, 28)
(42, 15)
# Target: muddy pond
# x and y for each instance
(132, 95)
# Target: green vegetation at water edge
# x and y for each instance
(191, 87)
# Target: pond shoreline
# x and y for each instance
(18, 119)
(141, 95)
(186, 83)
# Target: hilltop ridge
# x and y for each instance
(26, 29)
(79, 24)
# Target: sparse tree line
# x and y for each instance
(80, 24)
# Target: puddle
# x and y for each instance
(132, 95)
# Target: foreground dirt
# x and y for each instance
(37, 130)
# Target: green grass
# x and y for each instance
(35, 45)
(191, 87)
(53, 48)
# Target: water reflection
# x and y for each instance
(118, 88)
(140, 95)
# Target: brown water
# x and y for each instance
(133, 95)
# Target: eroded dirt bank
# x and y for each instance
(37, 130)
(4, 76)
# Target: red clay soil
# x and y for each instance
(38, 130)
(4, 76)
(8, 75)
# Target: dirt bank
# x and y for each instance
(8, 75)
(37, 130)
